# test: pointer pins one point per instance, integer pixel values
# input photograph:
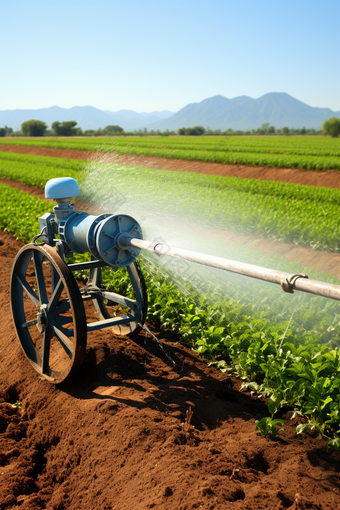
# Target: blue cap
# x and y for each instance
(62, 187)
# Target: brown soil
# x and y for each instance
(329, 179)
(115, 437)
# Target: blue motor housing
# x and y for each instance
(80, 232)
(61, 188)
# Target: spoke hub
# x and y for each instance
(42, 318)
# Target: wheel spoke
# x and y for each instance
(28, 289)
(62, 335)
(28, 324)
(40, 277)
(46, 351)
(55, 276)
(55, 296)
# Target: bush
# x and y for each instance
(66, 128)
(8, 130)
(195, 131)
(331, 127)
(33, 128)
(112, 129)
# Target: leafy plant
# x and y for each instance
(268, 427)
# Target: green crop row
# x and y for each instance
(37, 170)
(45, 161)
(286, 363)
(20, 212)
(318, 153)
(280, 145)
(322, 146)
(303, 215)
(236, 158)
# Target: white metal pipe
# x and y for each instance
(288, 281)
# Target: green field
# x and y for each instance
(315, 153)
(285, 348)
(299, 214)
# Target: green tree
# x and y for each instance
(66, 128)
(194, 131)
(2, 132)
(33, 127)
(113, 129)
(331, 127)
(199, 130)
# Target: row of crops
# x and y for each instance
(289, 364)
(318, 153)
(304, 215)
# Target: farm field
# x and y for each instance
(232, 203)
(122, 378)
(318, 178)
(314, 153)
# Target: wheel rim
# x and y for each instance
(48, 312)
(140, 296)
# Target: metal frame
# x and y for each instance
(48, 309)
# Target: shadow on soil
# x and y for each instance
(147, 378)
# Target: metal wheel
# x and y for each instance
(48, 312)
(110, 304)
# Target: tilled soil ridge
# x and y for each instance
(120, 435)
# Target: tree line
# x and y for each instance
(33, 127)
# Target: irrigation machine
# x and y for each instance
(48, 304)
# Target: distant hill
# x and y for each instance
(218, 112)
(87, 117)
(243, 112)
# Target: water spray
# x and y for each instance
(48, 304)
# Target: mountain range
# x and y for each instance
(245, 113)
(87, 117)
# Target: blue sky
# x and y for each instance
(155, 55)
